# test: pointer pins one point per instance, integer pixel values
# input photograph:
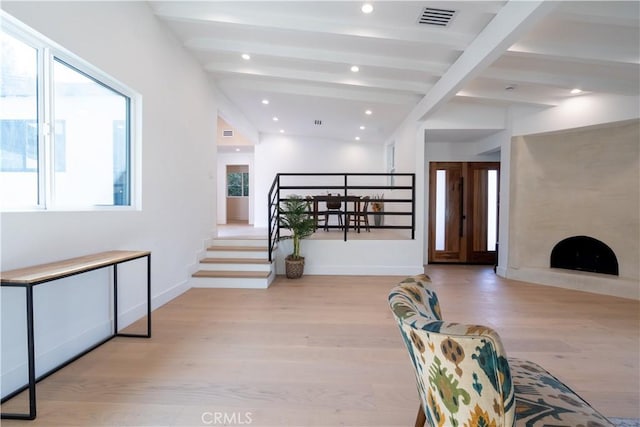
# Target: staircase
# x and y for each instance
(235, 263)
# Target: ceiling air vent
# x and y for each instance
(227, 133)
(437, 17)
(317, 122)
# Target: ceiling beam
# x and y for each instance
(513, 20)
(495, 98)
(563, 55)
(625, 13)
(567, 80)
(313, 54)
(268, 85)
(315, 76)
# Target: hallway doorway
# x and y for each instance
(237, 190)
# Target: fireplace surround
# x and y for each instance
(580, 182)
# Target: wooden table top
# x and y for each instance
(55, 270)
(349, 198)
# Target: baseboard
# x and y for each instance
(362, 270)
(16, 377)
(168, 295)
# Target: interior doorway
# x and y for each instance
(463, 212)
(237, 193)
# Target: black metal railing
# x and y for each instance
(397, 204)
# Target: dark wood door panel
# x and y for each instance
(470, 220)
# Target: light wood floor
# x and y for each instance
(324, 351)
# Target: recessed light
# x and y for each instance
(362, 128)
(237, 149)
(357, 138)
(246, 56)
(576, 91)
(275, 119)
(355, 68)
(281, 130)
(368, 112)
(265, 101)
(367, 8)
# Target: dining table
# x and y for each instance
(324, 198)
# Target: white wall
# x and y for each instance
(126, 41)
(287, 154)
(577, 112)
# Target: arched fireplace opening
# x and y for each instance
(584, 253)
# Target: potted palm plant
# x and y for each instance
(294, 213)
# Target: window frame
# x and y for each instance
(48, 52)
(244, 178)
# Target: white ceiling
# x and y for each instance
(302, 51)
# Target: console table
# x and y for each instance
(30, 277)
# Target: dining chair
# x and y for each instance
(334, 207)
(360, 215)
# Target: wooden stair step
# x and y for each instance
(234, 261)
(238, 248)
(233, 274)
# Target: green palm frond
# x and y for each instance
(295, 215)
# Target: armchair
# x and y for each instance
(465, 378)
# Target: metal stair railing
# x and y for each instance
(345, 184)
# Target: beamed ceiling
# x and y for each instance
(495, 53)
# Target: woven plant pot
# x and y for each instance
(294, 268)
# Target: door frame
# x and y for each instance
(465, 253)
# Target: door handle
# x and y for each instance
(461, 206)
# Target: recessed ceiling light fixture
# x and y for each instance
(275, 119)
(281, 130)
(367, 8)
(368, 112)
(576, 91)
(265, 101)
(357, 138)
(362, 128)
(237, 149)
(355, 68)
(246, 56)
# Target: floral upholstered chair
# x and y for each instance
(465, 379)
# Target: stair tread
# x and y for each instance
(232, 274)
(234, 261)
(237, 248)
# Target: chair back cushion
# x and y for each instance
(462, 372)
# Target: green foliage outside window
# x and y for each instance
(238, 184)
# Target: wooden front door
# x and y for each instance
(463, 212)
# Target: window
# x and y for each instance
(237, 184)
(391, 162)
(65, 127)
